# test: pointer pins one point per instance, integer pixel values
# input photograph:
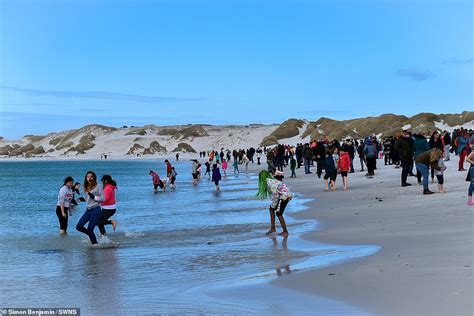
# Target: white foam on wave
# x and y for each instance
(134, 234)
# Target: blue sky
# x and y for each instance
(65, 64)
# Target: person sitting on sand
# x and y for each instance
(280, 194)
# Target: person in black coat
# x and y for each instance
(405, 151)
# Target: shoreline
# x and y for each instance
(425, 264)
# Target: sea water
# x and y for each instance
(169, 251)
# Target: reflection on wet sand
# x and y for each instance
(281, 269)
(100, 280)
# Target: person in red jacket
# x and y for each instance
(344, 166)
(157, 182)
(108, 205)
(169, 168)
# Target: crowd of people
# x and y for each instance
(425, 152)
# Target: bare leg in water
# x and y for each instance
(284, 233)
(272, 221)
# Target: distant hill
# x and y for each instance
(94, 140)
(383, 125)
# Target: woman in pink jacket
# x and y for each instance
(108, 205)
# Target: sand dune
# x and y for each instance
(92, 141)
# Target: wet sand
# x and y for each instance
(425, 266)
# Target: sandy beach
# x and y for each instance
(425, 266)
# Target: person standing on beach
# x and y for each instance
(344, 166)
(371, 155)
(440, 173)
(177, 156)
(405, 151)
(64, 204)
(108, 205)
(461, 147)
(320, 153)
(293, 167)
(330, 171)
(447, 144)
(424, 162)
(280, 194)
(470, 160)
(307, 158)
(94, 196)
(361, 153)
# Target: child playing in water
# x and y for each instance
(280, 194)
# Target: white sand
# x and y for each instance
(425, 266)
